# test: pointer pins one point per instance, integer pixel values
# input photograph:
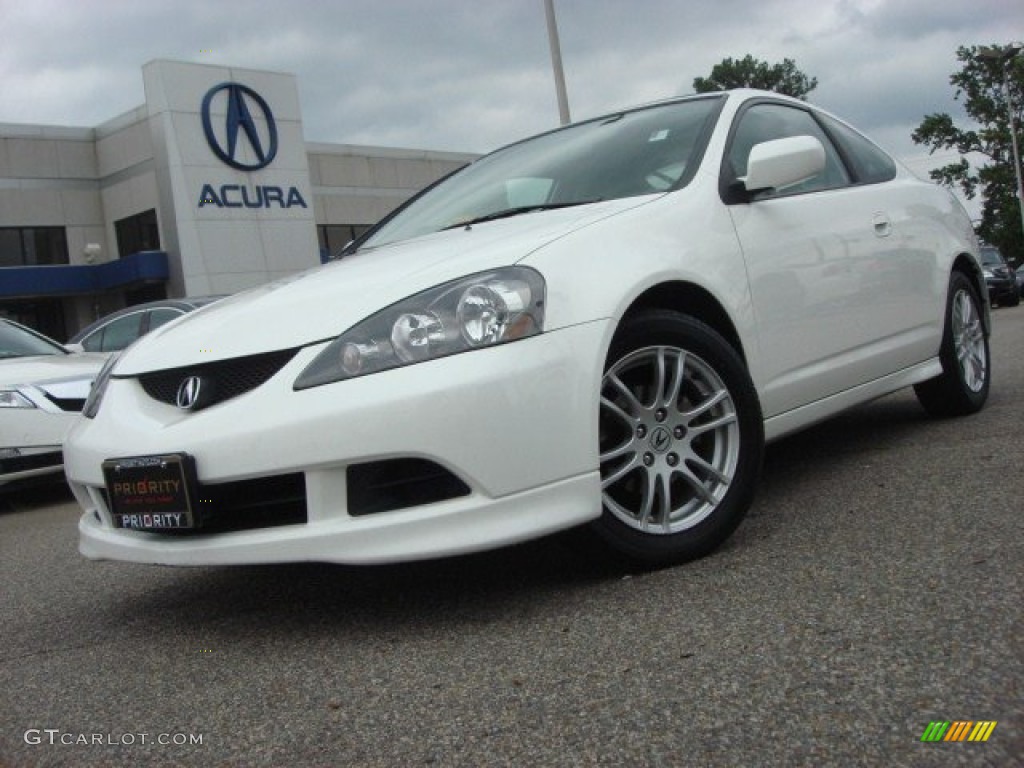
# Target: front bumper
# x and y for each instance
(25, 463)
(30, 441)
(447, 528)
(999, 289)
(517, 424)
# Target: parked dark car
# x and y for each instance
(1000, 279)
(1020, 280)
(119, 329)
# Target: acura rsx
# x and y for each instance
(600, 326)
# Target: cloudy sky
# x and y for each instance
(470, 75)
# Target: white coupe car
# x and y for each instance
(601, 326)
(42, 390)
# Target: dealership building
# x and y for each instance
(207, 188)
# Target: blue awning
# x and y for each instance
(71, 280)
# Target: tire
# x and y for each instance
(966, 365)
(681, 440)
(1014, 299)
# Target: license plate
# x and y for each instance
(152, 493)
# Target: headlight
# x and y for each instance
(477, 311)
(99, 386)
(12, 398)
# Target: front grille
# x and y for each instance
(243, 505)
(227, 378)
(382, 486)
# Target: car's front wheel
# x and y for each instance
(966, 368)
(681, 439)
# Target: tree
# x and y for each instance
(979, 83)
(749, 72)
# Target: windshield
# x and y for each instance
(990, 257)
(642, 152)
(16, 341)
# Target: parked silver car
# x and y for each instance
(117, 330)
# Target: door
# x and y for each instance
(815, 253)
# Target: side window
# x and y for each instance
(766, 122)
(117, 334)
(870, 164)
(94, 341)
(162, 316)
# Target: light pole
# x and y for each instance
(556, 62)
(1004, 56)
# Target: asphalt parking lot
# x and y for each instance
(876, 587)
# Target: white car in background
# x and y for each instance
(598, 326)
(42, 390)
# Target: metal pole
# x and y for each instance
(1013, 140)
(556, 62)
(1005, 56)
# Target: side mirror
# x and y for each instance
(74, 348)
(783, 163)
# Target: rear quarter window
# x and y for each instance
(870, 164)
(161, 316)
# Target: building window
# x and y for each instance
(334, 237)
(137, 233)
(32, 246)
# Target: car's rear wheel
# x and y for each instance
(966, 368)
(681, 440)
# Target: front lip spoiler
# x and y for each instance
(456, 527)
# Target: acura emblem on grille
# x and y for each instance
(188, 393)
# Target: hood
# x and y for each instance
(49, 369)
(321, 303)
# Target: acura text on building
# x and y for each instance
(239, 120)
(242, 196)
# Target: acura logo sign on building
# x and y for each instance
(239, 118)
(244, 147)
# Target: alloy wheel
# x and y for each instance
(969, 341)
(670, 439)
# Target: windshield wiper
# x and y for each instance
(505, 213)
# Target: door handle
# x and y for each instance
(883, 227)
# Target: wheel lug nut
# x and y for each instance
(648, 459)
(641, 432)
(672, 459)
(678, 433)
(660, 414)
